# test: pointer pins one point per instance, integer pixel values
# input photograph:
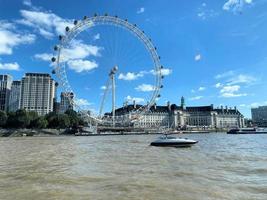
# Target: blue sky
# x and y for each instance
(214, 52)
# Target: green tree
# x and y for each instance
(33, 116)
(63, 121)
(73, 117)
(3, 118)
(11, 120)
(22, 119)
(57, 120)
(40, 122)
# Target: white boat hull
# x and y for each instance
(173, 142)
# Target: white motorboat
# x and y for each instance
(171, 141)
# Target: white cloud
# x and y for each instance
(198, 57)
(10, 38)
(229, 95)
(136, 99)
(201, 88)
(9, 66)
(103, 87)
(204, 12)
(195, 98)
(140, 10)
(241, 78)
(231, 91)
(145, 88)
(82, 102)
(79, 50)
(225, 74)
(44, 56)
(130, 76)
(27, 3)
(218, 85)
(97, 36)
(75, 56)
(45, 23)
(164, 72)
(236, 5)
(254, 104)
(82, 65)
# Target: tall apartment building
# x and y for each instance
(37, 93)
(14, 97)
(259, 116)
(65, 101)
(5, 88)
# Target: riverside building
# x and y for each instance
(65, 101)
(14, 99)
(5, 88)
(259, 116)
(37, 93)
(176, 117)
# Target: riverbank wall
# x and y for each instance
(32, 132)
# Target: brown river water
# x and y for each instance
(220, 166)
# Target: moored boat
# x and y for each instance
(171, 141)
(248, 131)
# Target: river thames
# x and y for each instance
(220, 166)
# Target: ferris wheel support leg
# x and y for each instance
(113, 99)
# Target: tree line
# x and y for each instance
(30, 119)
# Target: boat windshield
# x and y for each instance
(167, 137)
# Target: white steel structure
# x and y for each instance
(88, 23)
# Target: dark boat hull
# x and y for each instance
(244, 132)
(173, 144)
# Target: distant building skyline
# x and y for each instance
(211, 53)
(37, 93)
(173, 116)
(14, 99)
(259, 116)
(5, 89)
(65, 103)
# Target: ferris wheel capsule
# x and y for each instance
(53, 71)
(56, 48)
(75, 22)
(84, 17)
(67, 29)
(60, 37)
(53, 59)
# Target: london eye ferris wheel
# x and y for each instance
(121, 59)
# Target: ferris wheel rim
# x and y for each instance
(89, 22)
